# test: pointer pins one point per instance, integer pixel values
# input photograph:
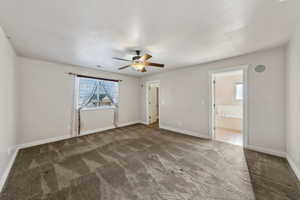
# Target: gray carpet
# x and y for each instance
(139, 162)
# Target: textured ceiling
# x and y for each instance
(175, 32)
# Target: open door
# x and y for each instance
(153, 103)
(227, 101)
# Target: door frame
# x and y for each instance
(243, 68)
(148, 83)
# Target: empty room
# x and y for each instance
(150, 100)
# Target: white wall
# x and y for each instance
(7, 103)
(94, 120)
(293, 100)
(184, 96)
(46, 95)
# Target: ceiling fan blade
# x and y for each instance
(154, 64)
(120, 59)
(145, 57)
(124, 67)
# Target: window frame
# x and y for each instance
(236, 96)
(103, 107)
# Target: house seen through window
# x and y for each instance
(94, 93)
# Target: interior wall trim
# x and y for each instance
(245, 121)
(129, 123)
(88, 132)
(63, 137)
(143, 122)
(293, 165)
(8, 168)
(266, 150)
(43, 141)
(148, 83)
(185, 132)
(108, 128)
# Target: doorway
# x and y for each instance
(153, 104)
(228, 106)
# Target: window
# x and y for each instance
(239, 91)
(94, 93)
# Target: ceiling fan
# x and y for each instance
(139, 62)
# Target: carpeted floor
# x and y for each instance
(140, 162)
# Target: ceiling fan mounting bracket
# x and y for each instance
(137, 57)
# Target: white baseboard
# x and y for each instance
(108, 128)
(129, 123)
(96, 130)
(266, 151)
(293, 166)
(43, 141)
(186, 132)
(143, 122)
(54, 139)
(8, 168)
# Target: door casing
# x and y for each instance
(148, 84)
(244, 68)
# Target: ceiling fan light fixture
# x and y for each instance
(143, 70)
(138, 65)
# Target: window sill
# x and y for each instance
(99, 108)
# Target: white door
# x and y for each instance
(153, 104)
